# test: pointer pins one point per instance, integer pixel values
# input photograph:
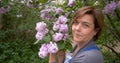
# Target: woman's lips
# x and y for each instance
(77, 34)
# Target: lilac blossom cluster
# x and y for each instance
(110, 8)
(62, 29)
(41, 30)
(47, 48)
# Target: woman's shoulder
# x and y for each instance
(91, 56)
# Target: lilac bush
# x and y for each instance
(53, 29)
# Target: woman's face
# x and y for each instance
(83, 29)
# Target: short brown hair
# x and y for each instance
(97, 15)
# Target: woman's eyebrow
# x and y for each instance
(86, 23)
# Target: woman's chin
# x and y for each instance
(76, 40)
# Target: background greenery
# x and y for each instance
(17, 31)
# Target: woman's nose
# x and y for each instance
(78, 28)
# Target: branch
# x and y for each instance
(117, 54)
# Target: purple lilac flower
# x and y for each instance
(56, 26)
(59, 11)
(43, 13)
(67, 14)
(118, 5)
(39, 36)
(109, 8)
(52, 47)
(57, 37)
(45, 31)
(3, 10)
(40, 26)
(62, 20)
(41, 30)
(63, 28)
(43, 51)
(71, 3)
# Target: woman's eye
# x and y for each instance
(85, 25)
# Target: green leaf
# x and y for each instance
(68, 9)
(47, 38)
(61, 45)
(68, 45)
(36, 42)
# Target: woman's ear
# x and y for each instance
(96, 31)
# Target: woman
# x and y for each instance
(87, 24)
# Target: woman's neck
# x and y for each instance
(79, 46)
